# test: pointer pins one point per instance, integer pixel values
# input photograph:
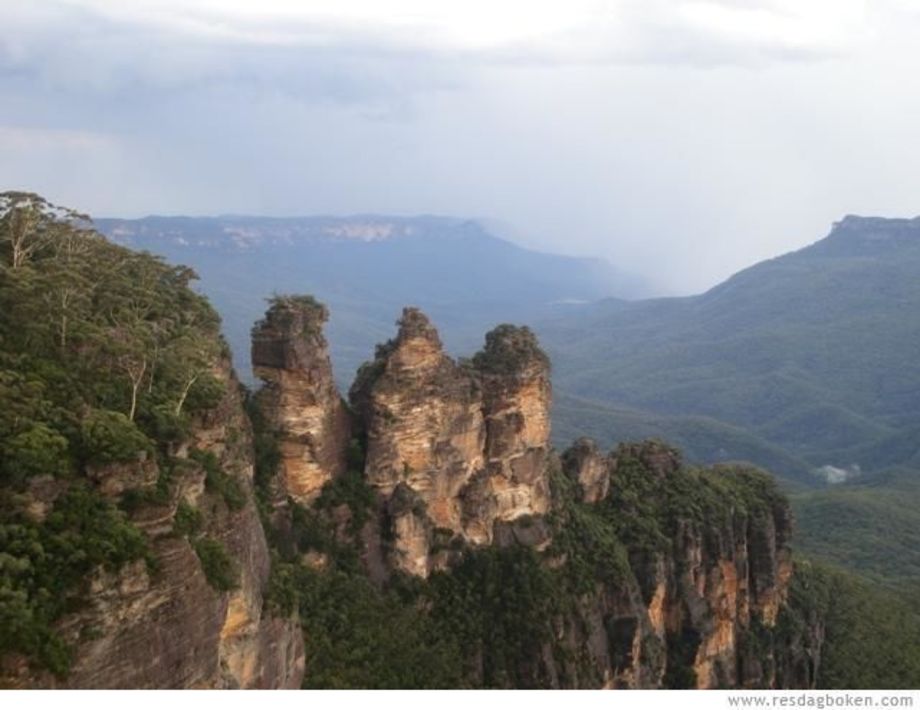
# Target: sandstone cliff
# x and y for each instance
(624, 569)
(701, 604)
(655, 574)
(165, 625)
(454, 448)
(299, 398)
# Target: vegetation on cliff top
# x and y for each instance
(105, 355)
(283, 309)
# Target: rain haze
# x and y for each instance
(680, 139)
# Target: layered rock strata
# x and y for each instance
(466, 442)
(704, 602)
(299, 397)
(166, 626)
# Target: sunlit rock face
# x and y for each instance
(166, 627)
(299, 397)
(469, 439)
(700, 599)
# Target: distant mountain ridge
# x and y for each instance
(367, 267)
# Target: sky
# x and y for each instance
(680, 139)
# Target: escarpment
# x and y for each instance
(132, 554)
(709, 557)
(191, 613)
(652, 573)
(159, 528)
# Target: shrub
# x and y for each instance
(216, 481)
(45, 567)
(110, 437)
(162, 423)
(219, 568)
(35, 451)
(205, 394)
(188, 520)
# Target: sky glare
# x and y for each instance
(680, 139)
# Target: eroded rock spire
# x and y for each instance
(300, 399)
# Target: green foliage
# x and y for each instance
(218, 566)
(496, 604)
(507, 349)
(134, 498)
(217, 481)
(364, 637)
(350, 489)
(204, 394)
(100, 348)
(797, 362)
(188, 520)
(871, 526)
(282, 594)
(110, 437)
(45, 568)
(312, 530)
(682, 648)
(870, 633)
(587, 538)
(161, 422)
(35, 451)
(144, 339)
(284, 309)
(266, 450)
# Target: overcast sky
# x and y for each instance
(681, 139)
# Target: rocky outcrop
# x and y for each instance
(701, 605)
(299, 397)
(160, 623)
(469, 440)
(585, 464)
(688, 569)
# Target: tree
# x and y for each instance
(191, 355)
(70, 281)
(29, 223)
(130, 347)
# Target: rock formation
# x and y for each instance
(688, 590)
(167, 627)
(299, 398)
(455, 448)
(584, 463)
(457, 455)
(702, 601)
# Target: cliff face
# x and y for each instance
(453, 448)
(702, 606)
(166, 626)
(660, 575)
(299, 397)
(628, 569)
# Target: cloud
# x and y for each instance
(684, 137)
(75, 36)
(30, 138)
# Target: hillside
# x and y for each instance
(812, 353)
(366, 268)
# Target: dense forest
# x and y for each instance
(104, 355)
